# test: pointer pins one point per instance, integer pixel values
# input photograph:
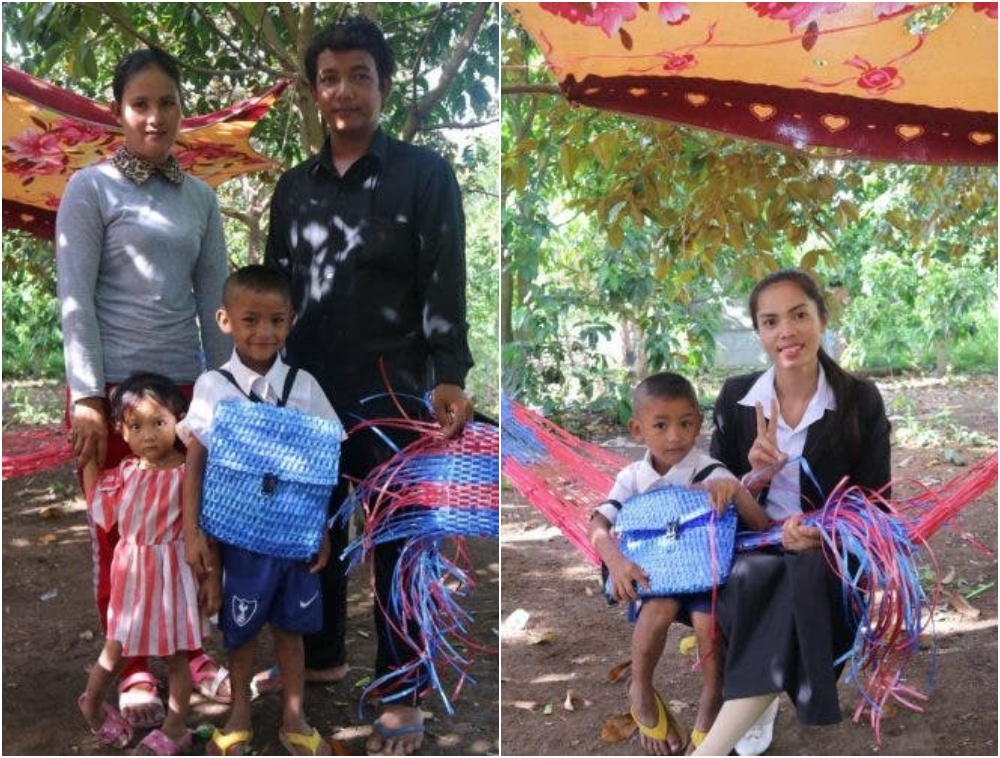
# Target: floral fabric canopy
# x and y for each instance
(48, 133)
(906, 82)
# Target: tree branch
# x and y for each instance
(530, 89)
(460, 125)
(448, 72)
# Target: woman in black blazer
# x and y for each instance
(793, 432)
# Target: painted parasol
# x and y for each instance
(903, 82)
(48, 133)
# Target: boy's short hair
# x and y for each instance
(354, 33)
(160, 388)
(257, 278)
(666, 386)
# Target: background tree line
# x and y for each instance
(444, 95)
(636, 232)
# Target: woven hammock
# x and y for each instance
(27, 452)
(875, 545)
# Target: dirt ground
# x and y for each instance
(572, 638)
(51, 637)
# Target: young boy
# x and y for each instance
(256, 311)
(666, 419)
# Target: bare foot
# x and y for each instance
(304, 740)
(658, 732)
(398, 731)
(270, 680)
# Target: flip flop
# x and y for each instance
(207, 684)
(666, 723)
(116, 731)
(158, 743)
(387, 733)
(293, 741)
(130, 696)
(225, 742)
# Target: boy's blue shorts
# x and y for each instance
(259, 589)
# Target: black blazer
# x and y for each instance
(735, 428)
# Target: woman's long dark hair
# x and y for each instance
(841, 382)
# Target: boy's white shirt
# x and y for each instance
(640, 476)
(211, 388)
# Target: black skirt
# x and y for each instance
(784, 621)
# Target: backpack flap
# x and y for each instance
(674, 534)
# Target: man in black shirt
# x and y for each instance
(372, 234)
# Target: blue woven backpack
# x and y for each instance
(270, 473)
(676, 536)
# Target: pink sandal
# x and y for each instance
(132, 696)
(208, 684)
(115, 732)
(158, 743)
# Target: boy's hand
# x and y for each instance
(721, 492)
(625, 575)
(324, 554)
(210, 593)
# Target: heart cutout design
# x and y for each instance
(909, 131)
(835, 123)
(762, 112)
(696, 99)
(981, 138)
(638, 91)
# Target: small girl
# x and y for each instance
(154, 598)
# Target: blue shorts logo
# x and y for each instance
(243, 610)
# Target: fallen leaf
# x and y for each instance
(541, 638)
(688, 644)
(547, 710)
(963, 606)
(572, 699)
(48, 539)
(618, 728)
(949, 576)
(51, 511)
(618, 671)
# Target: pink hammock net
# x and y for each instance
(565, 478)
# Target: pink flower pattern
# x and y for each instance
(798, 15)
(608, 16)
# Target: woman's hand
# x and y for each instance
(765, 457)
(798, 536)
(89, 431)
(452, 407)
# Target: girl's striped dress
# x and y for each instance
(154, 597)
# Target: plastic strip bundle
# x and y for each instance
(562, 476)
(431, 493)
(875, 546)
(31, 451)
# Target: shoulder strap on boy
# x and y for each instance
(703, 474)
(254, 397)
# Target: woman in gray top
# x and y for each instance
(141, 262)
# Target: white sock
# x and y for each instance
(735, 717)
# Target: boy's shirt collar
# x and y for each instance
(250, 381)
(681, 473)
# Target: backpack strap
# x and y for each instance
(703, 474)
(254, 397)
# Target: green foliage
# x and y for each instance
(638, 229)
(32, 336)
